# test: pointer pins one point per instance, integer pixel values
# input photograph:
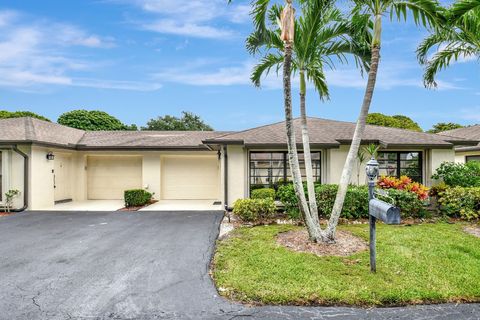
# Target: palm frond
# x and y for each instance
(263, 68)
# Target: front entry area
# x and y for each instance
(109, 176)
(62, 174)
(190, 177)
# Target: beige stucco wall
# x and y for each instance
(460, 157)
(13, 174)
(435, 158)
(237, 173)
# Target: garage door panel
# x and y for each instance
(109, 177)
(190, 178)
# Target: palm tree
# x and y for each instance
(424, 12)
(459, 38)
(321, 34)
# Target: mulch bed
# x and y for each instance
(137, 207)
(4, 214)
(346, 244)
(473, 230)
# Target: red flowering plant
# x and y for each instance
(403, 183)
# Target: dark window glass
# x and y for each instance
(396, 164)
(472, 158)
(269, 169)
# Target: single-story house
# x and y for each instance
(50, 163)
(467, 153)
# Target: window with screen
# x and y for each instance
(269, 169)
(396, 164)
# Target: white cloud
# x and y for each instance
(209, 73)
(470, 113)
(35, 53)
(194, 18)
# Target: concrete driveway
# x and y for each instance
(141, 265)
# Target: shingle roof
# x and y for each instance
(471, 132)
(32, 130)
(146, 139)
(323, 132)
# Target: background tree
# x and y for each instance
(458, 39)
(424, 12)
(92, 121)
(396, 121)
(4, 114)
(444, 126)
(188, 122)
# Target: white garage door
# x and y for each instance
(108, 177)
(190, 178)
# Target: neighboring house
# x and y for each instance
(466, 153)
(51, 163)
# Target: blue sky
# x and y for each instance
(138, 59)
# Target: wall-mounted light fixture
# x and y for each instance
(50, 156)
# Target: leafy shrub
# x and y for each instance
(437, 189)
(408, 202)
(403, 183)
(354, 207)
(356, 201)
(264, 193)
(137, 197)
(459, 174)
(460, 202)
(254, 210)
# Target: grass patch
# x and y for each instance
(428, 263)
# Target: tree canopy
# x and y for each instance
(4, 114)
(396, 121)
(93, 121)
(444, 126)
(187, 122)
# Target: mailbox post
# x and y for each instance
(372, 173)
(377, 209)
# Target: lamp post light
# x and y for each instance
(372, 173)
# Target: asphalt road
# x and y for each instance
(140, 265)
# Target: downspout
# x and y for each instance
(25, 180)
(225, 179)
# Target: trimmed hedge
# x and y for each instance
(264, 193)
(460, 202)
(254, 210)
(356, 201)
(137, 197)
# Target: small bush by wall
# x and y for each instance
(254, 210)
(264, 193)
(137, 197)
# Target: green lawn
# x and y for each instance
(427, 263)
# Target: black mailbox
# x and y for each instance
(384, 211)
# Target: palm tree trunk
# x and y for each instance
(306, 151)
(358, 134)
(313, 230)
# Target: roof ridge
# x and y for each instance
(255, 128)
(30, 133)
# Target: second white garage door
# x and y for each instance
(190, 178)
(109, 176)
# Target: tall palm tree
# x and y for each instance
(424, 12)
(321, 34)
(459, 38)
